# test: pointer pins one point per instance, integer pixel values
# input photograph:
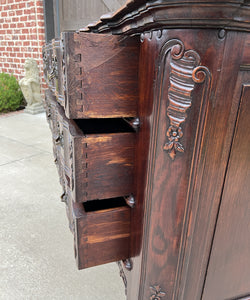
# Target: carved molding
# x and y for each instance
(185, 72)
(158, 294)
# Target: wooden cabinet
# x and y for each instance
(184, 73)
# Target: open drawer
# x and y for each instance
(99, 158)
(101, 231)
(100, 75)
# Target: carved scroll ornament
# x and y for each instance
(185, 71)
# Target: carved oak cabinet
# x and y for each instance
(150, 115)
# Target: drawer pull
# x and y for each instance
(59, 140)
(64, 198)
(130, 200)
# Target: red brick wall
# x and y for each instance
(22, 35)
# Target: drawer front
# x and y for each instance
(54, 118)
(93, 166)
(100, 75)
(101, 236)
(107, 165)
(98, 166)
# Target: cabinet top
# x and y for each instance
(140, 15)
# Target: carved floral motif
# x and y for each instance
(158, 294)
(185, 71)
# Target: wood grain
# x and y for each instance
(101, 236)
(228, 274)
(101, 75)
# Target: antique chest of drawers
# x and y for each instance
(171, 197)
(90, 106)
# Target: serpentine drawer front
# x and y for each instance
(97, 83)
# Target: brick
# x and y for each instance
(21, 5)
(5, 25)
(39, 10)
(20, 25)
(15, 19)
(22, 37)
(40, 23)
(26, 43)
(32, 17)
(33, 30)
(4, 14)
(11, 13)
(23, 18)
(25, 31)
(19, 12)
(13, 25)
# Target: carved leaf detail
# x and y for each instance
(157, 293)
(168, 146)
(178, 146)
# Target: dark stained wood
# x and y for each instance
(101, 236)
(211, 168)
(103, 82)
(97, 165)
(185, 75)
(139, 16)
(228, 275)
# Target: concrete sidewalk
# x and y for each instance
(36, 246)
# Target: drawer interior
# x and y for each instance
(102, 126)
(96, 205)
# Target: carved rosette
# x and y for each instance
(184, 70)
